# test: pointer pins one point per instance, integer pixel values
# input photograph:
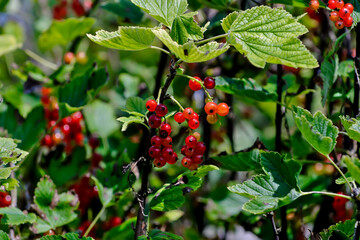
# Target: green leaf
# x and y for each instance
(346, 228)
(244, 88)
(83, 88)
(125, 38)
(124, 9)
(129, 120)
(106, 195)
(8, 44)
(55, 209)
(136, 105)
(64, 31)
(9, 184)
(277, 188)
(341, 179)
(165, 11)
(9, 152)
(353, 166)
(157, 234)
(267, 34)
(66, 110)
(67, 236)
(352, 127)
(329, 74)
(171, 196)
(185, 28)
(6, 171)
(296, 3)
(14, 216)
(189, 52)
(100, 118)
(4, 236)
(241, 161)
(217, 4)
(121, 232)
(318, 131)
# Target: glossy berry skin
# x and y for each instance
(200, 148)
(167, 142)
(47, 141)
(209, 82)
(193, 123)
(94, 142)
(159, 162)
(156, 141)
(339, 24)
(350, 7)
(167, 153)
(188, 112)
(344, 13)
(194, 85)
(161, 110)
(334, 16)
(210, 108)
(173, 159)
(195, 115)
(339, 3)
(183, 148)
(5, 199)
(79, 139)
(223, 109)
(332, 4)
(189, 151)
(154, 121)
(348, 22)
(212, 119)
(154, 152)
(197, 159)
(314, 5)
(179, 117)
(113, 222)
(163, 134)
(69, 57)
(186, 162)
(197, 136)
(166, 127)
(190, 141)
(151, 105)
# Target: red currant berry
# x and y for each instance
(156, 141)
(344, 13)
(96, 159)
(195, 115)
(113, 222)
(163, 134)
(159, 162)
(197, 136)
(193, 123)
(332, 4)
(195, 85)
(348, 22)
(183, 148)
(186, 162)
(211, 108)
(69, 57)
(314, 5)
(173, 159)
(166, 127)
(154, 152)
(223, 109)
(154, 121)
(151, 105)
(79, 139)
(47, 141)
(190, 141)
(77, 117)
(209, 82)
(167, 142)
(197, 159)
(200, 148)
(161, 110)
(339, 3)
(45, 100)
(45, 91)
(339, 24)
(66, 129)
(193, 166)
(189, 151)
(334, 16)
(5, 199)
(350, 7)
(167, 153)
(94, 142)
(179, 117)
(81, 58)
(188, 112)
(56, 138)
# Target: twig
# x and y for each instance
(270, 215)
(94, 221)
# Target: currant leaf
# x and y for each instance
(352, 127)
(8, 44)
(14, 216)
(267, 34)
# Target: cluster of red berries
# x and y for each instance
(342, 18)
(86, 193)
(339, 205)
(212, 110)
(60, 10)
(80, 57)
(193, 151)
(5, 199)
(68, 130)
(208, 83)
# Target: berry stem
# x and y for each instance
(211, 39)
(201, 83)
(177, 102)
(339, 170)
(327, 194)
(94, 221)
(161, 49)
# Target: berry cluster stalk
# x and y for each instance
(141, 222)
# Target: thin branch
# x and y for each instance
(339, 170)
(270, 215)
(41, 60)
(327, 194)
(211, 39)
(161, 49)
(94, 221)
